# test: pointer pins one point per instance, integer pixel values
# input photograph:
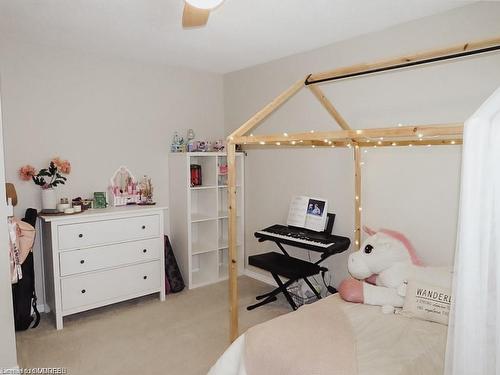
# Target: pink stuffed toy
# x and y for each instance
(380, 269)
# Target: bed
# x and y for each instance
(383, 344)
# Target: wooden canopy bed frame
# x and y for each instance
(415, 135)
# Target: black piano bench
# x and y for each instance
(286, 266)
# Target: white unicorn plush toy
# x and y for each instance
(381, 269)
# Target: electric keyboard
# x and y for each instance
(318, 241)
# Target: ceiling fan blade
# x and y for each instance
(193, 17)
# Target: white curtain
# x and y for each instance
(474, 330)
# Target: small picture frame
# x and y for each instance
(100, 200)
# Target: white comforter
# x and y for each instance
(385, 344)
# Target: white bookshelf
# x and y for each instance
(199, 220)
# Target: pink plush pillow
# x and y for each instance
(351, 290)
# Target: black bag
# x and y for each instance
(23, 292)
(172, 271)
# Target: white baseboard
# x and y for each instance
(260, 277)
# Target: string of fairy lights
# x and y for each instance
(366, 143)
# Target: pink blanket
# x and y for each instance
(316, 339)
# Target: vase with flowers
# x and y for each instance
(48, 179)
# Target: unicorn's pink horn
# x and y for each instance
(368, 230)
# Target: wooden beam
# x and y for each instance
(406, 60)
(452, 129)
(331, 144)
(416, 143)
(357, 197)
(342, 135)
(268, 109)
(349, 144)
(320, 95)
(409, 133)
(232, 235)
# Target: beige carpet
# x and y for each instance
(183, 335)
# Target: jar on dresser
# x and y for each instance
(102, 256)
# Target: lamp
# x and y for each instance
(204, 4)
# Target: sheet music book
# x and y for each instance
(307, 212)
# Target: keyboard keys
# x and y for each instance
(320, 240)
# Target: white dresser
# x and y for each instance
(101, 257)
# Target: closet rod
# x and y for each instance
(403, 65)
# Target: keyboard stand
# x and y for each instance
(287, 266)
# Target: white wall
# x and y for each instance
(100, 114)
(8, 357)
(414, 190)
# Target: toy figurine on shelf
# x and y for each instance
(146, 191)
(178, 144)
(191, 144)
(219, 145)
(202, 146)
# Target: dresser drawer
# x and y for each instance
(109, 286)
(74, 236)
(101, 257)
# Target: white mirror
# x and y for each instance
(122, 181)
(123, 188)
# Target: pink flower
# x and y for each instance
(57, 161)
(27, 172)
(63, 165)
